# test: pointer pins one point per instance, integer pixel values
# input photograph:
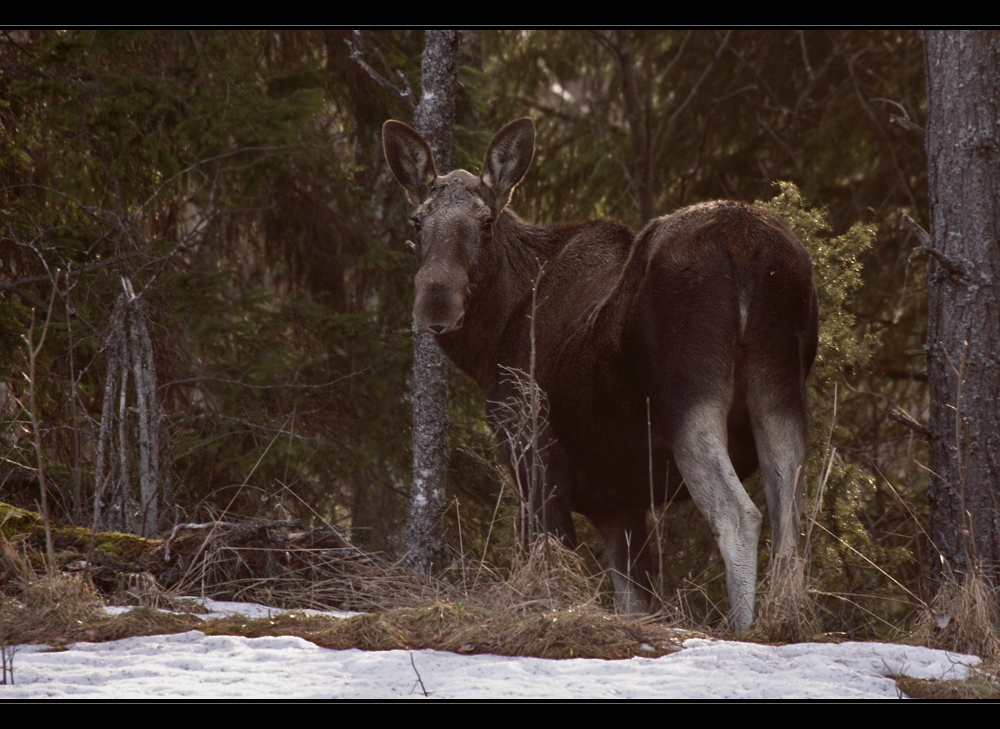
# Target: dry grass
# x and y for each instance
(963, 618)
(61, 608)
(983, 684)
(787, 613)
(270, 562)
(42, 608)
(50, 609)
(461, 628)
(547, 606)
(549, 576)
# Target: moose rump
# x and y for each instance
(678, 354)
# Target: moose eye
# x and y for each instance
(416, 224)
(487, 226)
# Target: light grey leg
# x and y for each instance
(703, 459)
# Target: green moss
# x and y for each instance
(71, 543)
(17, 521)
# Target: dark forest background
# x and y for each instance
(205, 292)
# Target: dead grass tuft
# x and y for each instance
(463, 628)
(14, 567)
(547, 607)
(962, 617)
(41, 607)
(61, 608)
(787, 613)
(270, 563)
(984, 683)
(49, 609)
(142, 620)
(548, 577)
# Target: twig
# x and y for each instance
(7, 652)
(693, 91)
(26, 296)
(903, 121)
(958, 268)
(35, 429)
(652, 493)
(925, 241)
(535, 404)
(892, 579)
(489, 533)
(461, 547)
(906, 507)
(422, 687)
(904, 419)
(898, 413)
(405, 95)
(805, 56)
(216, 524)
(953, 266)
(859, 606)
(922, 235)
(191, 527)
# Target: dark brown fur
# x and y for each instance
(705, 322)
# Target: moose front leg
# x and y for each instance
(543, 475)
(626, 544)
(546, 486)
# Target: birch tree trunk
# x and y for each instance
(434, 119)
(963, 330)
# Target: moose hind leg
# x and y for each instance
(701, 454)
(626, 544)
(781, 451)
(778, 419)
(777, 404)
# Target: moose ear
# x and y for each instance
(508, 158)
(409, 158)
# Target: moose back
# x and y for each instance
(679, 353)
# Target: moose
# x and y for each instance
(672, 360)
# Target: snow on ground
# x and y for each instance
(195, 666)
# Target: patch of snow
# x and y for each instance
(195, 666)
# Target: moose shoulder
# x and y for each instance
(685, 347)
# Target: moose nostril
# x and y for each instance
(437, 328)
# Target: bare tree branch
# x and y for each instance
(903, 121)
(405, 94)
(904, 419)
(697, 84)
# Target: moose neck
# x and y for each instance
(493, 333)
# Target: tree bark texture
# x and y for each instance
(963, 329)
(434, 119)
(138, 419)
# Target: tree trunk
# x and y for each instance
(637, 110)
(963, 329)
(637, 115)
(434, 119)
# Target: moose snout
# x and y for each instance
(439, 306)
(444, 328)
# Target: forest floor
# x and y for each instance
(539, 633)
(215, 663)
